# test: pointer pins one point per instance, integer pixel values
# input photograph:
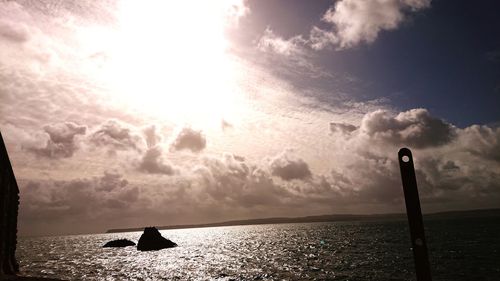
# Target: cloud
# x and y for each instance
(482, 141)
(234, 184)
(363, 176)
(153, 162)
(10, 27)
(189, 139)
(414, 128)
(289, 168)
(59, 140)
(10, 31)
(234, 11)
(217, 188)
(76, 203)
(357, 21)
(151, 136)
(115, 135)
(290, 55)
(110, 181)
(454, 166)
(342, 128)
(270, 42)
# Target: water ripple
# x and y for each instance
(320, 251)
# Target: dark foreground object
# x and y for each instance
(25, 278)
(9, 204)
(152, 240)
(414, 213)
(118, 243)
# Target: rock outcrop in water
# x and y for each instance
(151, 240)
(118, 243)
(9, 205)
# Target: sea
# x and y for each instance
(459, 249)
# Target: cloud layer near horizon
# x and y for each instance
(455, 168)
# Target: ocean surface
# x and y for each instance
(460, 249)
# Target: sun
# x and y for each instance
(170, 58)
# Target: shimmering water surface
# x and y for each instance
(461, 249)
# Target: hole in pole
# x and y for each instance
(405, 159)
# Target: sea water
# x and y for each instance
(460, 249)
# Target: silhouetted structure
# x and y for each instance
(118, 243)
(9, 205)
(152, 240)
(414, 213)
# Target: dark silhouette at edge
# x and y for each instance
(9, 207)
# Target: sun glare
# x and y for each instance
(170, 58)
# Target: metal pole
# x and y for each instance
(414, 213)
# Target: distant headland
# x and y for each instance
(326, 218)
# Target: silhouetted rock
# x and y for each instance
(119, 243)
(152, 240)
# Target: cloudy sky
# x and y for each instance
(130, 113)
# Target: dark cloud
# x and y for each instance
(289, 168)
(61, 141)
(414, 128)
(115, 135)
(189, 139)
(75, 205)
(153, 162)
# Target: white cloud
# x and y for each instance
(293, 55)
(270, 42)
(357, 21)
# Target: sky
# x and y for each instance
(133, 113)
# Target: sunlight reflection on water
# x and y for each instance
(327, 251)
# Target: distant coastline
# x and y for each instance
(326, 218)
